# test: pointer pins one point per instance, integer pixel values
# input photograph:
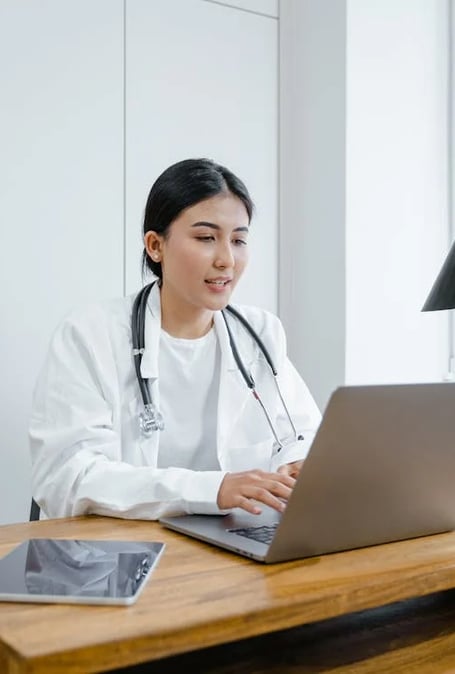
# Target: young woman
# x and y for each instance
(207, 442)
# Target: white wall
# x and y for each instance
(60, 194)
(396, 188)
(363, 163)
(81, 147)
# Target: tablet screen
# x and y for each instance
(77, 571)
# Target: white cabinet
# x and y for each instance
(61, 233)
(202, 81)
(265, 7)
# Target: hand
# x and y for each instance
(240, 490)
(291, 469)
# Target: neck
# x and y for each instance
(184, 322)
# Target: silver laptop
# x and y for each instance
(381, 468)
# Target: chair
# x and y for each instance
(34, 511)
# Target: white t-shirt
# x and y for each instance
(189, 410)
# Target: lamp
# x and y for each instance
(442, 294)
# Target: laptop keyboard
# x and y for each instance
(263, 534)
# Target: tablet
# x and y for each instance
(61, 571)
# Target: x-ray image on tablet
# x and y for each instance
(77, 572)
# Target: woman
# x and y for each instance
(217, 450)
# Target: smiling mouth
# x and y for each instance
(219, 283)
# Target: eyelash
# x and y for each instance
(237, 242)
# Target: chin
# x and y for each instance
(217, 303)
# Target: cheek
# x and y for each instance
(181, 258)
(241, 259)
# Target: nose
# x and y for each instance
(224, 256)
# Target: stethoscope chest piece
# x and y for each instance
(150, 420)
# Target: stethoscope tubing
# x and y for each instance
(138, 339)
(248, 377)
(253, 334)
(138, 343)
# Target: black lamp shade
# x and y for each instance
(442, 294)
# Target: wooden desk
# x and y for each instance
(200, 597)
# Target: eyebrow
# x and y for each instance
(212, 225)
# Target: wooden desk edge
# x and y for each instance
(109, 654)
(115, 653)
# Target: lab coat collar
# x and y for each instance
(227, 357)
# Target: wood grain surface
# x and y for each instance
(416, 636)
(200, 596)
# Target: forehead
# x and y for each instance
(225, 210)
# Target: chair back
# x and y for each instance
(34, 511)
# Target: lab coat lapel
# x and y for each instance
(233, 392)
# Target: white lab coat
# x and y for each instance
(87, 451)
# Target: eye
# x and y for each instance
(205, 238)
(240, 242)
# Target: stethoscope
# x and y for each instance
(150, 419)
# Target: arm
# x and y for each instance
(79, 464)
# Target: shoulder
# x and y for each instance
(267, 327)
(261, 320)
(94, 322)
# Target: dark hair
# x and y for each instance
(182, 185)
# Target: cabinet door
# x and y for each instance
(201, 80)
(266, 7)
(61, 201)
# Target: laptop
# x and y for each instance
(381, 468)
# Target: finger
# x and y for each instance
(246, 504)
(267, 498)
(262, 475)
(277, 488)
(284, 478)
(291, 469)
(285, 470)
(296, 467)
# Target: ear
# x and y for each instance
(153, 244)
